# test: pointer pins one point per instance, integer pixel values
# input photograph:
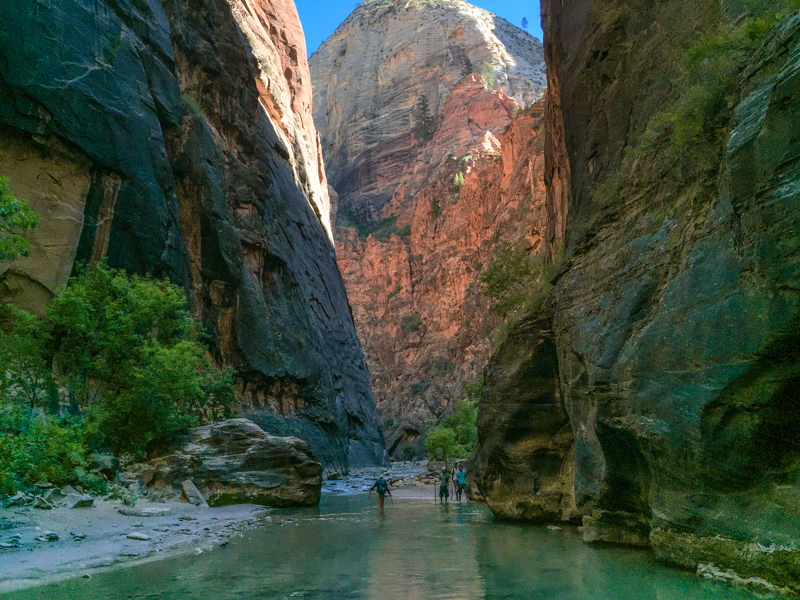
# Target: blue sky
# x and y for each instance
(321, 17)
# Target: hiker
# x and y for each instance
(444, 484)
(461, 483)
(381, 488)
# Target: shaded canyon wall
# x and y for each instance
(175, 137)
(670, 340)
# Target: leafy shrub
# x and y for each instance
(381, 230)
(409, 453)
(419, 387)
(435, 208)
(514, 280)
(16, 220)
(473, 390)
(411, 322)
(129, 366)
(458, 181)
(441, 444)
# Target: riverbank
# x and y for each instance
(109, 534)
(59, 544)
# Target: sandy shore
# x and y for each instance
(100, 538)
(185, 528)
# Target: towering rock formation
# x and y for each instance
(413, 283)
(369, 75)
(176, 138)
(671, 337)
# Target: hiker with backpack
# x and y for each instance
(381, 488)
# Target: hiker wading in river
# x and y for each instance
(381, 488)
(444, 484)
(461, 483)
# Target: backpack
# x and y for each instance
(382, 487)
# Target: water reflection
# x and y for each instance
(413, 551)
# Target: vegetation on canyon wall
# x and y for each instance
(16, 219)
(115, 363)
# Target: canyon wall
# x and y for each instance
(413, 282)
(675, 316)
(369, 75)
(175, 137)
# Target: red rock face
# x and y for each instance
(417, 302)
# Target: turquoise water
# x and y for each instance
(413, 551)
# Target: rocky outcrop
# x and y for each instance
(371, 73)
(418, 305)
(524, 462)
(676, 315)
(176, 138)
(235, 462)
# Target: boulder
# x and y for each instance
(155, 511)
(192, 495)
(79, 501)
(236, 462)
(18, 499)
(41, 503)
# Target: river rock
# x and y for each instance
(141, 537)
(237, 462)
(79, 501)
(18, 499)
(41, 503)
(191, 494)
(153, 511)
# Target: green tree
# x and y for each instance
(525, 23)
(458, 181)
(464, 423)
(489, 74)
(25, 376)
(468, 68)
(424, 119)
(128, 350)
(442, 444)
(435, 209)
(513, 280)
(16, 219)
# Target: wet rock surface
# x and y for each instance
(676, 315)
(236, 462)
(524, 461)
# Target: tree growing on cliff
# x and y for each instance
(16, 220)
(514, 280)
(424, 126)
(525, 23)
(469, 69)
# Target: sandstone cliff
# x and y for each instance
(413, 283)
(176, 138)
(369, 75)
(418, 304)
(675, 319)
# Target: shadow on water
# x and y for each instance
(411, 551)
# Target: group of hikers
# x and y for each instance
(455, 479)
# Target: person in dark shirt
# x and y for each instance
(381, 488)
(444, 484)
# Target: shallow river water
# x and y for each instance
(415, 550)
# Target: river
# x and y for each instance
(414, 550)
